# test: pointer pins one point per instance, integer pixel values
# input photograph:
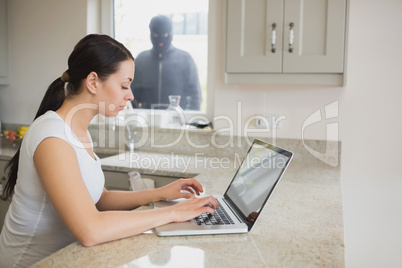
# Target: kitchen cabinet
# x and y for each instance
(119, 180)
(285, 41)
(3, 43)
(3, 204)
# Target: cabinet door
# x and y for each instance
(120, 180)
(318, 36)
(116, 181)
(249, 36)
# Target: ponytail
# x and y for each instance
(93, 53)
(53, 99)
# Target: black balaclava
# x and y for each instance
(159, 26)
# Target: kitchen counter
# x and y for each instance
(301, 226)
(7, 148)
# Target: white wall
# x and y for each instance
(42, 36)
(371, 133)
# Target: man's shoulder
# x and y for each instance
(178, 53)
(144, 55)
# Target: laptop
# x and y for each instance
(243, 201)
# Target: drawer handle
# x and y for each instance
(291, 37)
(273, 38)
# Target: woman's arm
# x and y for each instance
(127, 200)
(57, 165)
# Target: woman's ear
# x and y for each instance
(91, 82)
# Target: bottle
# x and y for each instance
(131, 133)
(176, 114)
(188, 103)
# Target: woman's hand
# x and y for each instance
(174, 190)
(193, 207)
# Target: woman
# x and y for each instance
(56, 179)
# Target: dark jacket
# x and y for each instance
(158, 76)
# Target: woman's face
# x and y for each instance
(115, 91)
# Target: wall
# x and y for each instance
(371, 136)
(42, 36)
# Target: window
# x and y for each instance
(190, 29)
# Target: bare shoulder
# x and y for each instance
(55, 155)
(52, 147)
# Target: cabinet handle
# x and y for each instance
(291, 37)
(273, 38)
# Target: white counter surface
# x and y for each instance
(301, 226)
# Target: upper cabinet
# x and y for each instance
(286, 41)
(3, 43)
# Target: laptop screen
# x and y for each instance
(256, 178)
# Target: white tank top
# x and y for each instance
(32, 228)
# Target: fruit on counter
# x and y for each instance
(11, 135)
(18, 134)
(21, 131)
(23, 128)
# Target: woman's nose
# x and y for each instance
(130, 96)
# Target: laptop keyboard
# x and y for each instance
(220, 217)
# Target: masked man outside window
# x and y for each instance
(165, 70)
